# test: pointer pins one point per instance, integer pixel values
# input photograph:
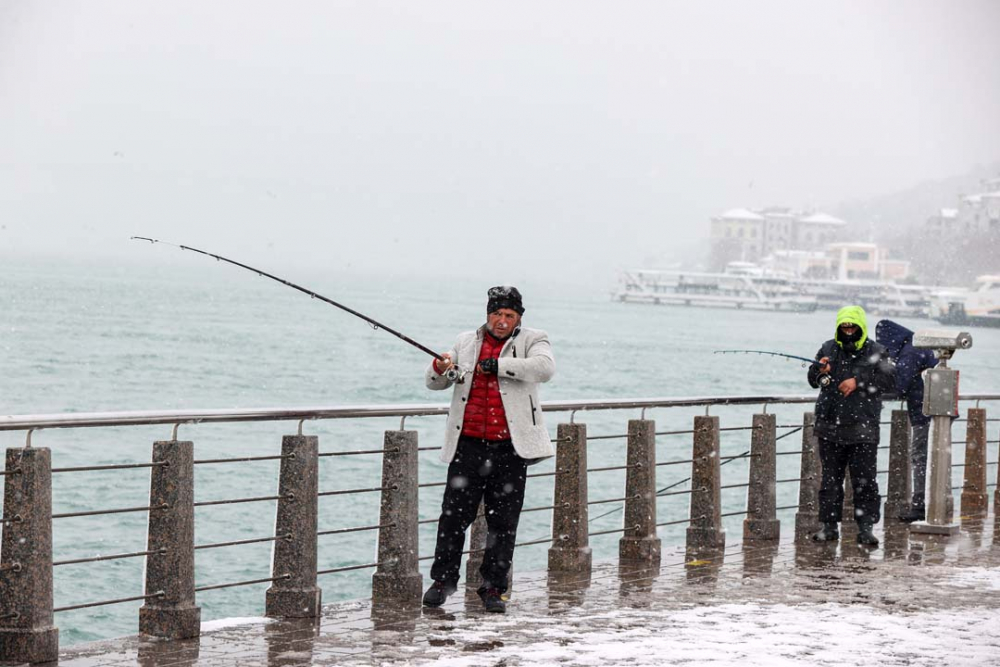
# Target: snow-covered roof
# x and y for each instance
(949, 213)
(740, 214)
(822, 219)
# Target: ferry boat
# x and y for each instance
(721, 290)
(878, 298)
(977, 307)
(744, 285)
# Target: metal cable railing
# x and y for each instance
(614, 500)
(104, 603)
(252, 540)
(610, 468)
(239, 501)
(11, 424)
(95, 559)
(348, 568)
(244, 459)
(358, 529)
(674, 463)
(393, 450)
(123, 510)
(119, 466)
(234, 584)
(348, 492)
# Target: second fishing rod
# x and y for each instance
(824, 379)
(454, 373)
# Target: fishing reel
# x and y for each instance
(456, 374)
(824, 380)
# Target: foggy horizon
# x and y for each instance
(487, 143)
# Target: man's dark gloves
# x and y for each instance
(488, 366)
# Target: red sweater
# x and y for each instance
(484, 414)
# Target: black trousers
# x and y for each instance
(861, 459)
(493, 473)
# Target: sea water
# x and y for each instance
(191, 333)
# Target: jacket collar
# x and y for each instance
(481, 332)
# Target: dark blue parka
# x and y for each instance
(910, 363)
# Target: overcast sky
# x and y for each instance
(559, 138)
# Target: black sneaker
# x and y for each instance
(865, 535)
(914, 513)
(828, 533)
(492, 602)
(437, 594)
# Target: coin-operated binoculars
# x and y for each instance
(941, 405)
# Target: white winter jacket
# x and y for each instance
(525, 360)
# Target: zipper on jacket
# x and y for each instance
(532, 402)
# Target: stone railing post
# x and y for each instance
(900, 484)
(294, 593)
(705, 536)
(975, 501)
(173, 613)
(398, 581)
(27, 632)
(807, 517)
(761, 522)
(570, 550)
(640, 542)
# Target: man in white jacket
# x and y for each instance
(494, 431)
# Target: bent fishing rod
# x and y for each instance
(770, 354)
(824, 380)
(454, 373)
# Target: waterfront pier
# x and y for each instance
(720, 459)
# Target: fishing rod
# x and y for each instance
(823, 380)
(453, 373)
(771, 354)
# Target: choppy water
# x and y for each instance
(190, 333)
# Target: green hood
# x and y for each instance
(852, 315)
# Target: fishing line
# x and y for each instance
(453, 374)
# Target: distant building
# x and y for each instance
(751, 235)
(981, 212)
(865, 261)
(817, 230)
(800, 263)
(945, 221)
(976, 213)
(737, 235)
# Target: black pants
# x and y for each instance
(861, 458)
(494, 473)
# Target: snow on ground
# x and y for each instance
(731, 634)
(982, 578)
(225, 623)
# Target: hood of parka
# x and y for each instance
(894, 336)
(852, 315)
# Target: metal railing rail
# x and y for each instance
(215, 416)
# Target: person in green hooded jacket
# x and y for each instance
(852, 372)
